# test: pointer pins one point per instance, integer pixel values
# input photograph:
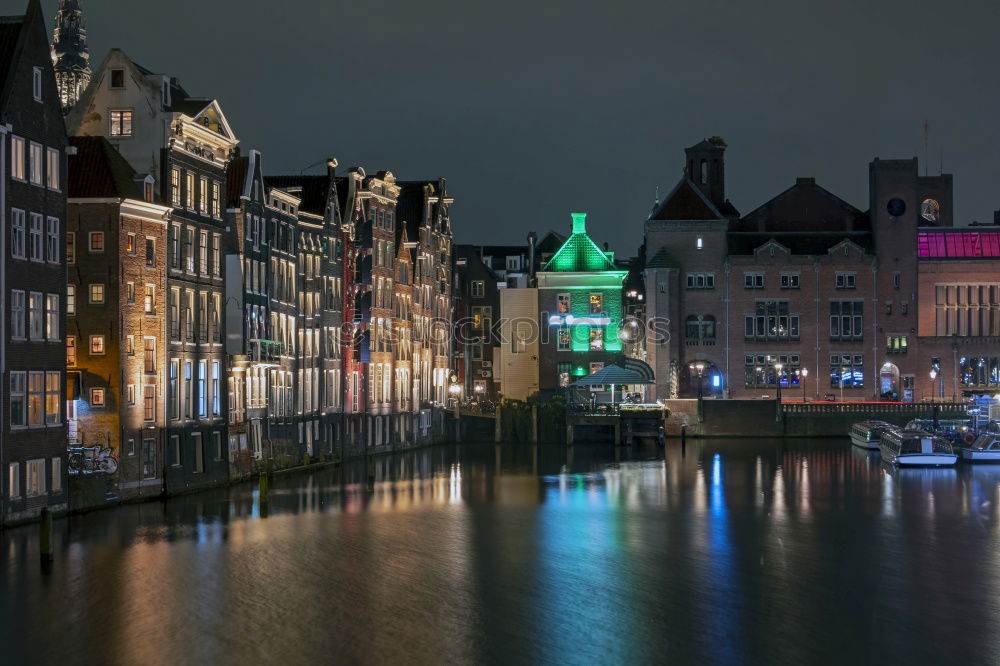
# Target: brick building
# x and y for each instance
(807, 291)
(32, 272)
(580, 310)
(185, 143)
(116, 305)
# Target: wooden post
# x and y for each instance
(534, 424)
(498, 425)
(45, 536)
(569, 435)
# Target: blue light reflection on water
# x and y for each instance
(762, 552)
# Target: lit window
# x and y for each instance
(97, 294)
(596, 303)
(699, 243)
(597, 338)
(96, 241)
(563, 340)
(97, 345)
(17, 157)
(121, 122)
(96, 397)
(35, 163)
(52, 168)
(562, 304)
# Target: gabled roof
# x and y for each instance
(10, 30)
(410, 206)
(99, 171)
(580, 253)
(662, 259)
(236, 174)
(314, 190)
(12, 40)
(686, 203)
(209, 109)
(805, 206)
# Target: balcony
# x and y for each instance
(264, 351)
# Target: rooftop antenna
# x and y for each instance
(657, 202)
(314, 164)
(927, 131)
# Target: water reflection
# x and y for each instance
(734, 551)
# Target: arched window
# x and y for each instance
(708, 327)
(699, 327)
(692, 328)
(704, 172)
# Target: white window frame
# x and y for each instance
(52, 169)
(18, 159)
(90, 293)
(36, 159)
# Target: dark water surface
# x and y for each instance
(739, 551)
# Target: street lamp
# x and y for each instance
(841, 382)
(933, 377)
(777, 369)
(698, 367)
(804, 372)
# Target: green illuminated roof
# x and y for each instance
(579, 253)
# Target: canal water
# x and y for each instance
(729, 552)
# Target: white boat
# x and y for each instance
(867, 434)
(907, 448)
(986, 448)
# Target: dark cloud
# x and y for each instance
(534, 109)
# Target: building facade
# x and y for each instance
(580, 310)
(116, 307)
(33, 177)
(186, 143)
(809, 295)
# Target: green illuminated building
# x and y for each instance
(580, 302)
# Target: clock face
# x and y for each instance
(930, 210)
(896, 207)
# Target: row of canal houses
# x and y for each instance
(178, 317)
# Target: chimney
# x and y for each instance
(579, 223)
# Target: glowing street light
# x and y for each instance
(804, 372)
(777, 369)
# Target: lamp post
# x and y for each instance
(698, 367)
(933, 377)
(804, 372)
(777, 378)
(841, 382)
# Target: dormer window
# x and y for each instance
(36, 83)
(147, 189)
(117, 79)
(704, 172)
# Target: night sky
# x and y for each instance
(535, 109)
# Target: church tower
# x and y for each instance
(70, 57)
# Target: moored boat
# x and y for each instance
(986, 448)
(867, 434)
(915, 448)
